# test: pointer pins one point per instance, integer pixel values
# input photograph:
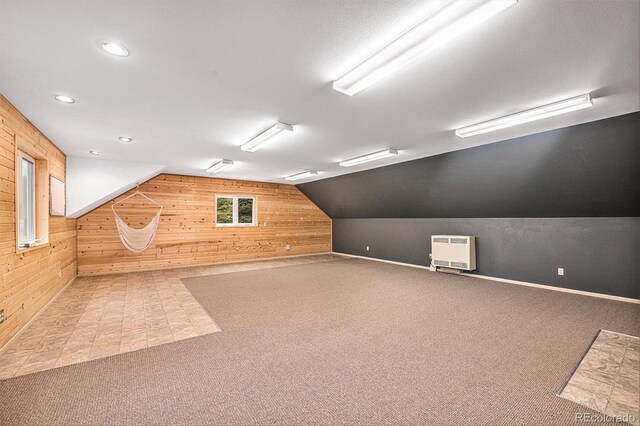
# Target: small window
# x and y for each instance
(26, 200)
(224, 211)
(245, 211)
(235, 211)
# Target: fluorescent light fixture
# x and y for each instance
(556, 108)
(369, 157)
(267, 136)
(64, 99)
(302, 175)
(125, 139)
(92, 152)
(113, 48)
(219, 166)
(455, 18)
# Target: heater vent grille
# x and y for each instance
(454, 251)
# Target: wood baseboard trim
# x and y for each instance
(165, 268)
(508, 281)
(44, 308)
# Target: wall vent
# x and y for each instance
(454, 251)
(458, 240)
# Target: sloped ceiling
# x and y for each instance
(91, 183)
(205, 77)
(588, 170)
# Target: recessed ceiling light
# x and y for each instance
(556, 108)
(113, 48)
(369, 157)
(268, 135)
(219, 166)
(92, 152)
(125, 139)
(455, 18)
(302, 175)
(65, 99)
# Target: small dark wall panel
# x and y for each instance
(588, 170)
(600, 255)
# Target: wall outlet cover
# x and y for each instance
(367, 248)
(560, 271)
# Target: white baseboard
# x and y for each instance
(44, 308)
(508, 281)
(410, 265)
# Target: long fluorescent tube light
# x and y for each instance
(369, 157)
(267, 136)
(302, 175)
(455, 18)
(219, 166)
(556, 108)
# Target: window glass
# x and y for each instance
(224, 210)
(235, 211)
(27, 218)
(245, 210)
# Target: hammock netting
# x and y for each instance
(137, 240)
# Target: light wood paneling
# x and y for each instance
(187, 234)
(29, 279)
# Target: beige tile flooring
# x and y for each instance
(96, 317)
(608, 377)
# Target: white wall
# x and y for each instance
(92, 182)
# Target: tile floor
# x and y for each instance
(608, 377)
(96, 317)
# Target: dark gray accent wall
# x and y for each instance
(588, 170)
(600, 255)
(566, 198)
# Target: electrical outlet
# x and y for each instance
(560, 271)
(367, 248)
(288, 247)
(60, 273)
(1, 316)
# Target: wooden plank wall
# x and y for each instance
(29, 280)
(187, 234)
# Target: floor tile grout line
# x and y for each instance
(559, 392)
(25, 363)
(614, 377)
(110, 292)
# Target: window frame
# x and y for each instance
(25, 149)
(235, 215)
(20, 156)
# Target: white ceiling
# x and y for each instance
(204, 77)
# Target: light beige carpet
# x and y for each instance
(347, 341)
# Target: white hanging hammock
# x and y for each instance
(137, 240)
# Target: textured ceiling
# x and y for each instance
(205, 77)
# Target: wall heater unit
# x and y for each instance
(454, 251)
